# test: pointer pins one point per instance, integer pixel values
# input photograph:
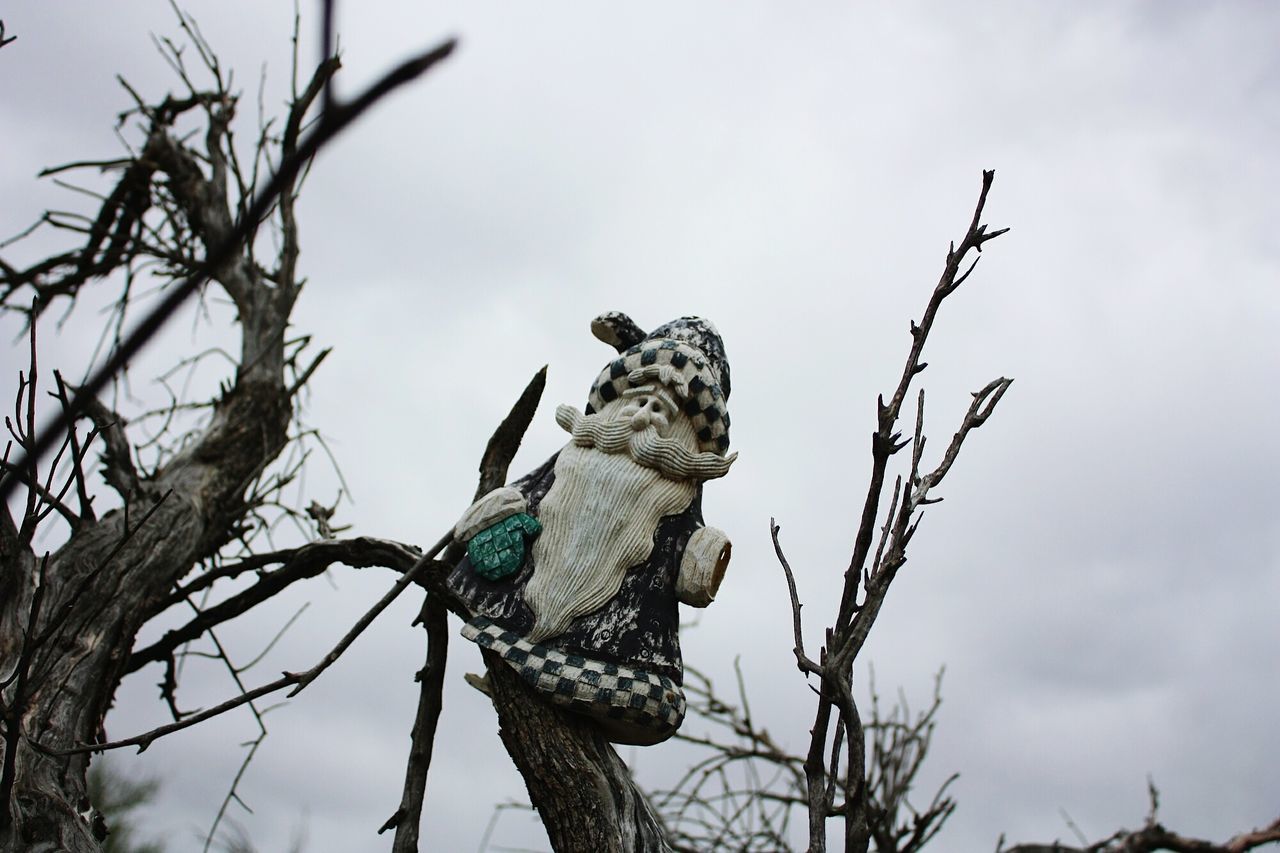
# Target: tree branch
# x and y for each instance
(407, 819)
(297, 680)
(802, 660)
(506, 439)
(333, 122)
(494, 465)
(1154, 837)
(117, 457)
(298, 564)
(86, 504)
(854, 620)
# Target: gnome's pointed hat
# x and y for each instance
(686, 354)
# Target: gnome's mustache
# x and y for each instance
(646, 447)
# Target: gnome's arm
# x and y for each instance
(706, 556)
(498, 505)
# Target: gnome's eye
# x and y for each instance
(659, 406)
(653, 405)
(663, 403)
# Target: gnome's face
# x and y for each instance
(625, 469)
(650, 406)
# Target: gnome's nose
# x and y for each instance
(640, 420)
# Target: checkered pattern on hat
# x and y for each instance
(704, 403)
(581, 684)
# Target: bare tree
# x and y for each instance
(188, 494)
(187, 204)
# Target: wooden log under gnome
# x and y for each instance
(573, 572)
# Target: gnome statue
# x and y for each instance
(573, 572)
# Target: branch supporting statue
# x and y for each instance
(573, 573)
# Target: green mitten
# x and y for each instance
(498, 550)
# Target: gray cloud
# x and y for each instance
(1101, 580)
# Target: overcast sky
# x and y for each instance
(1101, 582)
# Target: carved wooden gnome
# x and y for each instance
(573, 572)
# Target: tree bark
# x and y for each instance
(62, 665)
(582, 790)
(98, 590)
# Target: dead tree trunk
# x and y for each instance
(69, 618)
(98, 590)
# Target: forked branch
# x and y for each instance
(854, 619)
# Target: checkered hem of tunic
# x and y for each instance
(705, 405)
(598, 689)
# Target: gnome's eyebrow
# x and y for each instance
(657, 391)
(665, 374)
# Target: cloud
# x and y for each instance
(1101, 579)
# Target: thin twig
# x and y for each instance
(77, 457)
(802, 660)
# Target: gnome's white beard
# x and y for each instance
(598, 520)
